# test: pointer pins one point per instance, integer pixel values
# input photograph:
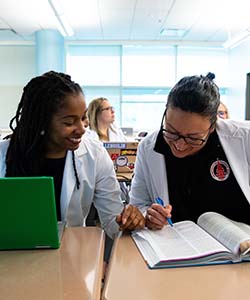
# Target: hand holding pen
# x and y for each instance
(158, 215)
(160, 201)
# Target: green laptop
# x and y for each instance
(28, 214)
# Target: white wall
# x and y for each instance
(18, 66)
(238, 67)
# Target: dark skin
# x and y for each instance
(131, 218)
(68, 126)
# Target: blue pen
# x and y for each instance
(160, 201)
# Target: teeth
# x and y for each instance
(75, 140)
(178, 149)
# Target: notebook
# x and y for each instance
(123, 155)
(28, 217)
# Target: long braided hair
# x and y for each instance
(42, 97)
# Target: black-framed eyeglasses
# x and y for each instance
(111, 108)
(174, 136)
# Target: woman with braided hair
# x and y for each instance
(48, 140)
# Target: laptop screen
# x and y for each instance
(28, 213)
(123, 155)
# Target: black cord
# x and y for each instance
(75, 171)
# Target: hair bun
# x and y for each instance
(210, 76)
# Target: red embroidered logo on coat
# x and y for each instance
(220, 170)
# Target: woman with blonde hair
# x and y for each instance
(101, 121)
(223, 111)
(101, 117)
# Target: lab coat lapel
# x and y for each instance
(237, 160)
(159, 177)
(69, 179)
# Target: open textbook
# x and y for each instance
(215, 239)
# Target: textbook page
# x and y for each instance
(228, 232)
(184, 241)
(243, 226)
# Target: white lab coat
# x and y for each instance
(150, 178)
(98, 184)
(115, 135)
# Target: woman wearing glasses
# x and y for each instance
(101, 117)
(195, 162)
(101, 121)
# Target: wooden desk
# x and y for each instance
(130, 278)
(72, 272)
(124, 177)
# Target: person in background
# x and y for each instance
(195, 163)
(223, 111)
(101, 117)
(101, 121)
(48, 140)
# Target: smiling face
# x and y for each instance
(189, 125)
(67, 126)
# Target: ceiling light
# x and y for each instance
(62, 22)
(173, 32)
(237, 39)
